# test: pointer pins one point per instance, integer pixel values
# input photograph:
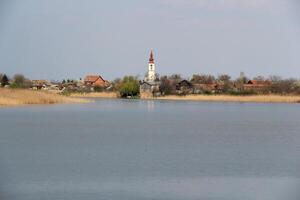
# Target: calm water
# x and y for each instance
(136, 150)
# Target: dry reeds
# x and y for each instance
(96, 95)
(14, 97)
(229, 98)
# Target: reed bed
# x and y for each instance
(15, 97)
(229, 98)
(96, 95)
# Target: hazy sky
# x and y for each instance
(55, 39)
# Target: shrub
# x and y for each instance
(129, 86)
(19, 81)
(242, 92)
(98, 89)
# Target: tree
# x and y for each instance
(259, 78)
(19, 81)
(129, 86)
(275, 78)
(116, 84)
(165, 86)
(283, 86)
(224, 78)
(4, 80)
(203, 79)
(175, 77)
(174, 80)
(225, 83)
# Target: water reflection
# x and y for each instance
(150, 105)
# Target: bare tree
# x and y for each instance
(203, 79)
(166, 87)
(259, 78)
(224, 78)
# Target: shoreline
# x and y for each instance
(22, 97)
(231, 98)
(201, 97)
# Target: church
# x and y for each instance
(151, 76)
(149, 87)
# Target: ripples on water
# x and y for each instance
(131, 149)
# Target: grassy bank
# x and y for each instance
(15, 97)
(229, 98)
(212, 98)
(96, 95)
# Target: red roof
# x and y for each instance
(259, 82)
(93, 78)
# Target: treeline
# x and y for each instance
(17, 81)
(224, 84)
(209, 84)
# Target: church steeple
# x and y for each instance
(151, 75)
(151, 59)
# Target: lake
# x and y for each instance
(142, 150)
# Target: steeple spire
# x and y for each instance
(151, 59)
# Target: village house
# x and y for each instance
(257, 85)
(184, 87)
(95, 81)
(206, 88)
(148, 90)
(40, 84)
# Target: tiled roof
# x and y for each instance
(92, 78)
(259, 82)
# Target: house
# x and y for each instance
(259, 82)
(148, 90)
(39, 84)
(95, 80)
(184, 87)
(184, 84)
(205, 88)
(258, 85)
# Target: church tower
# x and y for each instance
(151, 76)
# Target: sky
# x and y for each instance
(60, 39)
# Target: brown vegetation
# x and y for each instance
(230, 98)
(96, 94)
(15, 97)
